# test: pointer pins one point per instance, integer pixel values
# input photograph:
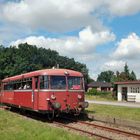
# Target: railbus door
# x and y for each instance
(35, 92)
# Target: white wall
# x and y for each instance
(138, 98)
(119, 93)
(129, 93)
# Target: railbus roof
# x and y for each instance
(44, 72)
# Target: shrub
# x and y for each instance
(95, 92)
(92, 92)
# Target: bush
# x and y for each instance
(99, 93)
(92, 92)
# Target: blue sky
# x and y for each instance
(100, 33)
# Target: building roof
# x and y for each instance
(127, 82)
(99, 84)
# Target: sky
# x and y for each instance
(103, 34)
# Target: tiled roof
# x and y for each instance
(127, 82)
(99, 84)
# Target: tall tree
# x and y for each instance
(106, 76)
(133, 76)
(126, 70)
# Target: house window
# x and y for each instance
(135, 89)
(138, 90)
(131, 90)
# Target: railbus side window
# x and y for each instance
(17, 84)
(44, 82)
(27, 83)
(5, 86)
(8, 86)
(22, 84)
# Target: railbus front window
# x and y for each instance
(58, 82)
(75, 83)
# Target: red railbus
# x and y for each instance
(45, 91)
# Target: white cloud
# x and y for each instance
(60, 15)
(113, 65)
(64, 15)
(84, 44)
(128, 47)
(123, 7)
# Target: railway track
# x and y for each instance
(109, 129)
(83, 131)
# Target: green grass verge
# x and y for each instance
(107, 97)
(15, 127)
(124, 113)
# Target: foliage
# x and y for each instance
(133, 76)
(105, 76)
(126, 70)
(94, 91)
(26, 58)
(126, 75)
(102, 97)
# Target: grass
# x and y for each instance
(94, 94)
(124, 113)
(15, 127)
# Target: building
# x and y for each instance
(100, 86)
(128, 91)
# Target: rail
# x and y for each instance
(83, 131)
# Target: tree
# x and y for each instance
(126, 70)
(133, 76)
(26, 58)
(122, 77)
(106, 76)
(127, 75)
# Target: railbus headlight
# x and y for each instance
(79, 96)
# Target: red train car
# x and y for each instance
(45, 91)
